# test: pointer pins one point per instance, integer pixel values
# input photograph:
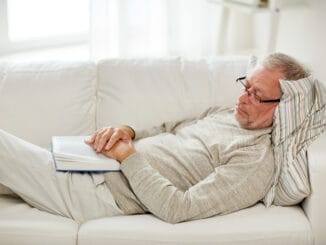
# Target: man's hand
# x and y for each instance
(105, 138)
(121, 150)
(113, 142)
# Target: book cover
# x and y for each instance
(71, 153)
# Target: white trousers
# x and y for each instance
(28, 170)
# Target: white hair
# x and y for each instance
(292, 69)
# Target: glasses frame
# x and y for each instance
(256, 97)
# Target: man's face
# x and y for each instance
(262, 83)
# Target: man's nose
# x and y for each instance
(243, 97)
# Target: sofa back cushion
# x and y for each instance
(40, 100)
(146, 92)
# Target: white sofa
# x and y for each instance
(38, 100)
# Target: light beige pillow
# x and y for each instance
(298, 120)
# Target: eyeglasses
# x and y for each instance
(256, 97)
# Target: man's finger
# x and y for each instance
(114, 139)
(98, 137)
(104, 139)
(91, 139)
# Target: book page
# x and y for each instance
(74, 145)
(71, 153)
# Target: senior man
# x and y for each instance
(217, 163)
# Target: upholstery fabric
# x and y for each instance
(298, 120)
(314, 205)
(39, 100)
(21, 224)
(145, 93)
(252, 226)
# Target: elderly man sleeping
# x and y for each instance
(222, 161)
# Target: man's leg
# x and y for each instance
(28, 171)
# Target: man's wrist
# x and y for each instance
(132, 132)
(126, 155)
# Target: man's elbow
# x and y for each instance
(172, 217)
(171, 220)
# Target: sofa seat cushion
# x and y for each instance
(21, 224)
(255, 225)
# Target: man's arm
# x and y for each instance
(239, 184)
(171, 126)
(105, 138)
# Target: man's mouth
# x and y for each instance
(239, 110)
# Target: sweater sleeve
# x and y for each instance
(170, 126)
(239, 184)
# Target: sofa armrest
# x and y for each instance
(314, 205)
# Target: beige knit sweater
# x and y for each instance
(195, 168)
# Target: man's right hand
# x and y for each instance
(105, 138)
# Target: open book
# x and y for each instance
(71, 153)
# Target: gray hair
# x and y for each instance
(292, 69)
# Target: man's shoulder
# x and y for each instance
(220, 109)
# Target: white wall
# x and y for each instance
(302, 34)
